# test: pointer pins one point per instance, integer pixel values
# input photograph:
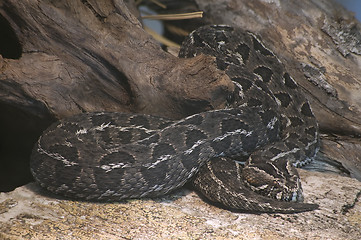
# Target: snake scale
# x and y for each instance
(242, 157)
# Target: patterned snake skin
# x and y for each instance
(241, 157)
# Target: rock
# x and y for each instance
(31, 213)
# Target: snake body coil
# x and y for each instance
(242, 157)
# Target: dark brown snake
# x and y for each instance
(242, 157)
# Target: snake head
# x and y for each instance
(278, 179)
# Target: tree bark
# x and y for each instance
(81, 56)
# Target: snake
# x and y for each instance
(242, 157)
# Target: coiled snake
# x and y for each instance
(241, 157)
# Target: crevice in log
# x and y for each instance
(19, 130)
(91, 8)
(118, 75)
(10, 46)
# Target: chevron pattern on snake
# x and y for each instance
(242, 157)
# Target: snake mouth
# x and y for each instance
(261, 179)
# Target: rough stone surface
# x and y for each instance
(30, 213)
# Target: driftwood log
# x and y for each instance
(65, 57)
